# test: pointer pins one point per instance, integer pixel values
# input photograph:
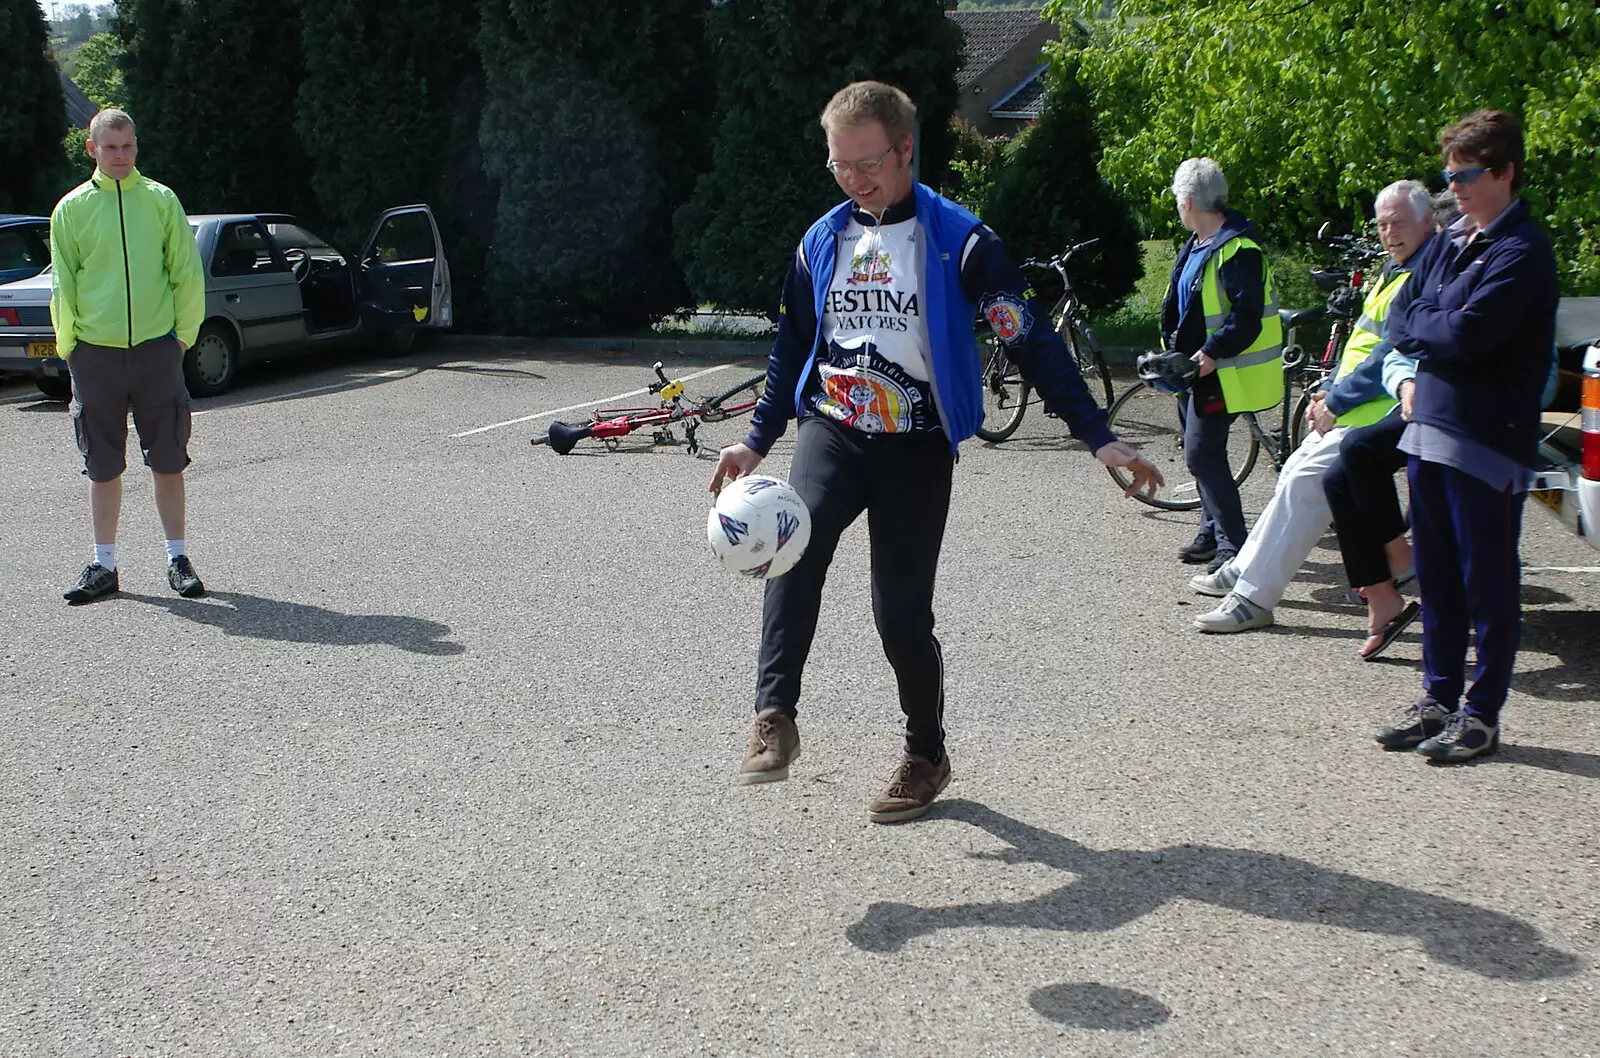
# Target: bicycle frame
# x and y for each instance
(608, 425)
(1300, 374)
(1342, 305)
(1000, 376)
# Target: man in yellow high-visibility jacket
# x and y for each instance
(1358, 394)
(127, 300)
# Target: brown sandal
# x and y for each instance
(1391, 631)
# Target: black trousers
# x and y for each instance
(902, 482)
(1362, 497)
(1205, 453)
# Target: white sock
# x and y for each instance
(174, 549)
(105, 555)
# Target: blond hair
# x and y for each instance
(110, 118)
(862, 102)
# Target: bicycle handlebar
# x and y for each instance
(1351, 247)
(1062, 258)
(657, 387)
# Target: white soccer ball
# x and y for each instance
(759, 527)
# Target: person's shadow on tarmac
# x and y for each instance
(291, 622)
(1117, 886)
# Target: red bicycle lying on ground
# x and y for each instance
(609, 425)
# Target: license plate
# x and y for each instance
(42, 350)
(1551, 498)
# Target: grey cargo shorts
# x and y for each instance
(148, 378)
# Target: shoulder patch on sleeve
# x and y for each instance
(1009, 317)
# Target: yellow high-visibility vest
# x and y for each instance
(1253, 380)
(1364, 338)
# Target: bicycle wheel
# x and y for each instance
(1085, 348)
(1151, 420)
(740, 400)
(1297, 420)
(1005, 394)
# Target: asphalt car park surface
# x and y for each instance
(445, 766)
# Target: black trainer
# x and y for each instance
(182, 578)
(1464, 736)
(1417, 724)
(1202, 549)
(1220, 559)
(96, 582)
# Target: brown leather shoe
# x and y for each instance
(911, 790)
(774, 742)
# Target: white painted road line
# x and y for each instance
(1561, 569)
(347, 384)
(585, 404)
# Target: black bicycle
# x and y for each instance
(1006, 394)
(1343, 285)
(1151, 417)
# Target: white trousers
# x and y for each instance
(1292, 523)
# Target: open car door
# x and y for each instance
(405, 281)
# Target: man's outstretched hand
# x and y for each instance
(734, 461)
(1146, 478)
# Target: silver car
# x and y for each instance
(273, 289)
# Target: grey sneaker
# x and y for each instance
(182, 578)
(96, 582)
(1415, 725)
(1217, 584)
(1203, 548)
(1236, 614)
(911, 789)
(1464, 737)
(774, 742)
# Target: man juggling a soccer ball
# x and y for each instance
(877, 359)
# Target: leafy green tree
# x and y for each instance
(594, 126)
(1049, 194)
(98, 72)
(211, 85)
(33, 116)
(1311, 108)
(975, 163)
(375, 110)
(777, 63)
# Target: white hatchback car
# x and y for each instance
(273, 289)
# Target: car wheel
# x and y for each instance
(392, 341)
(55, 388)
(211, 363)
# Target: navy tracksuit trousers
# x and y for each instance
(1464, 539)
(902, 482)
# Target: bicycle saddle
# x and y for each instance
(1328, 280)
(563, 437)
(1298, 317)
(1170, 370)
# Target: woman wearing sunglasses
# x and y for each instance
(1481, 325)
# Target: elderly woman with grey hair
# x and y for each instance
(1220, 308)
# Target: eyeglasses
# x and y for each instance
(1465, 177)
(866, 167)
